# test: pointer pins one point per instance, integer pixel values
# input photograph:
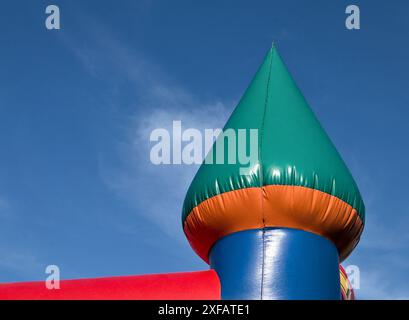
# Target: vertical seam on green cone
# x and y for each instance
(261, 179)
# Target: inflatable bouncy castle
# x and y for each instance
(277, 230)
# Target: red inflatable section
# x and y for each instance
(171, 286)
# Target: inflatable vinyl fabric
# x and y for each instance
(199, 285)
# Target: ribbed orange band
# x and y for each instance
(273, 206)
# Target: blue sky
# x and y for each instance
(77, 105)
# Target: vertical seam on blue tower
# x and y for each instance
(261, 174)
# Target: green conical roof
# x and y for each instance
(293, 147)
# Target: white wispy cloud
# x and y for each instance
(157, 192)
